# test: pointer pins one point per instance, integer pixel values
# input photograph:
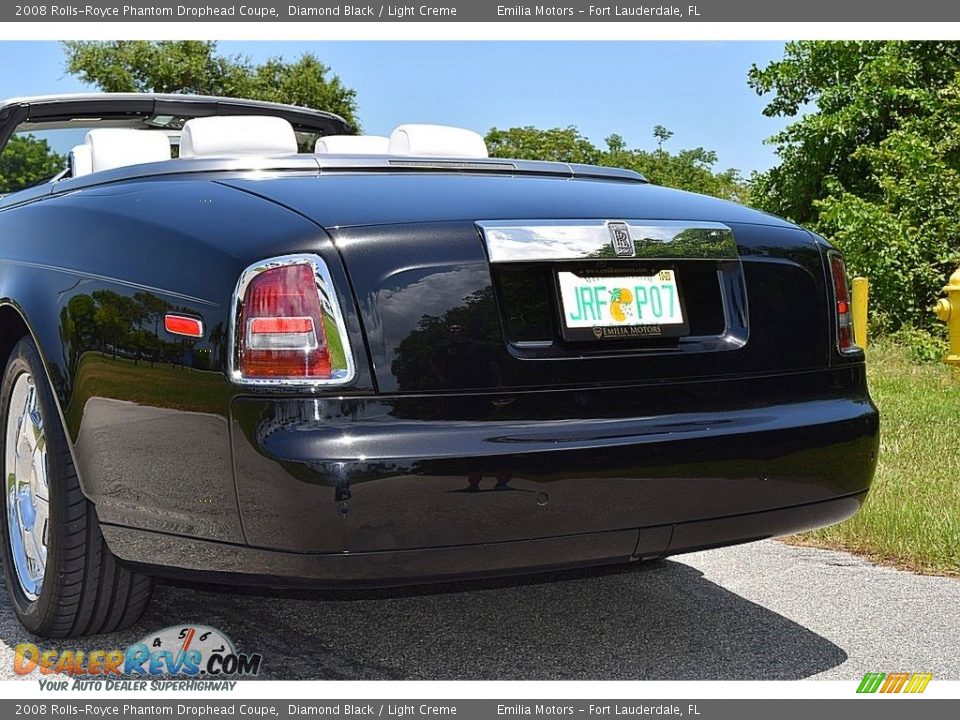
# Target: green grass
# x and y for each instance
(911, 518)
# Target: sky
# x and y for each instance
(698, 90)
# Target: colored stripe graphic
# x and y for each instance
(901, 681)
(918, 683)
(871, 682)
(888, 683)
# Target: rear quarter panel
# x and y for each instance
(92, 272)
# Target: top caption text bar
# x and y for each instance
(483, 11)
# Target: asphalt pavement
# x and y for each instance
(753, 612)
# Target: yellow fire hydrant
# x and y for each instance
(859, 298)
(948, 310)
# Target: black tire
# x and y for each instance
(85, 589)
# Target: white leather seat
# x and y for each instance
(80, 160)
(119, 147)
(234, 135)
(352, 145)
(437, 141)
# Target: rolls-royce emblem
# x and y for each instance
(621, 240)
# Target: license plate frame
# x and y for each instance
(625, 331)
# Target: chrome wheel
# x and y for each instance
(27, 498)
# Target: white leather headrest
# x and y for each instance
(237, 135)
(437, 141)
(352, 145)
(118, 147)
(81, 160)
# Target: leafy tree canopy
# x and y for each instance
(195, 67)
(687, 169)
(27, 160)
(872, 161)
(530, 143)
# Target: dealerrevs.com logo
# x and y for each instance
(180, 651)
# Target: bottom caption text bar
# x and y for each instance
(875, 709)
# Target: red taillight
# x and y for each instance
(841, 296)
(281, 330)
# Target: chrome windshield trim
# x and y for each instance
(570, 240)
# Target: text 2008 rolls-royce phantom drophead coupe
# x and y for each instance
(244, 345)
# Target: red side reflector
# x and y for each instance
(182, 325)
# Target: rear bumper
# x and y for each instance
(387, 490)
(191, 559)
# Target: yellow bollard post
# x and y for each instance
(948, 310)
(859, 298)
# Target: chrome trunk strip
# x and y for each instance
(567, 240)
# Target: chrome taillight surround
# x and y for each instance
(330, 304)
(842, 303)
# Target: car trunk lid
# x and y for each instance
(459, 280)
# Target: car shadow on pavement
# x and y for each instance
(656, 621)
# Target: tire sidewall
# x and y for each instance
(26, 358)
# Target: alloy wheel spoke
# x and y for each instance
(38, 476)
(40, 530)
(31, 426)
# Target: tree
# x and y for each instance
(855, 95)
(662, 135)
(194, 67)
(692, 170)
(872, 162)
(530, 143)
(304, 82)
(687, 170)
(27, 160)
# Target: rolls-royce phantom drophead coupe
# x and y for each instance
(244, 345)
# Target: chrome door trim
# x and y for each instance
(570, 240)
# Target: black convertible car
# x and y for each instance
(243, 345)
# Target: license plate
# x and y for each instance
(621, 306)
